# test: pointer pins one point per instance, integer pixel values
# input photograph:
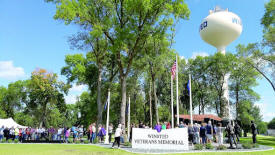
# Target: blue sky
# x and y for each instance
(30, 38)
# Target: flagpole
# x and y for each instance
(177, 83)
(107, 121)
(129, 119)
(190, 94)
(172, 110)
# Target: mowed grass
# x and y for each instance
(74, 149)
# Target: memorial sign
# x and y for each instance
(170, 139)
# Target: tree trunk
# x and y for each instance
(150, 104)
(99, 104)
(200, 106)
(237, 99)
(43, 119)
(135, 107)
(155, 98)
(123, 99)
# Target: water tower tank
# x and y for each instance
(220, 28)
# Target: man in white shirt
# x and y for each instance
(118, 133)
(59, 133)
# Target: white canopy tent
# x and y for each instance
(9, 122)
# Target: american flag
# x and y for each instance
(173, 69)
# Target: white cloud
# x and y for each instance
(10, 72)
(78, 88)
(71, 99)
(182, 57)
(265, 111)
(195, 54)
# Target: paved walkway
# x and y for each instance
(191, 149)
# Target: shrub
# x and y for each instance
(127, 144)
(255, 145)
(95, 141)
(198, 146)
(77, 142)
(16, 141)
(86, 141)
(70, 141)
(4, 140)
(221, 147)
(209, 146)
(247, 145)
(10, 141)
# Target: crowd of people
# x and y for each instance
(197, 134)
(207, 132)
(61, 134)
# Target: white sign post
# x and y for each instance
(170, 139)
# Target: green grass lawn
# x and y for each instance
(64, 149)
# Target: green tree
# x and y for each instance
(268, 21)
(243, 78)
(271, 124)
(126, 24)
(218, 66)
(46, 97)
(262, 62)
(12, 98)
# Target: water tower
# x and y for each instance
(219, 29)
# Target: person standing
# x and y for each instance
(1, 133)
(209, 132)
(93, 132)
(203, 133)
(219, 134)
(6, 133)
(16, 133)
(158, 127)
(231, 134)
(59, 133)
(12, 133)
(80, 132)
(190, 134)
(181, 125)
(237, 129)
(110, 132)
(196, 134)
(118, 133)
(254, 131)
(67, 135)
(163, 127)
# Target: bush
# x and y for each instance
(209, 146)
(247, 145)
(77, 142)
(10, 141)
(70, 141)
(127, 144)
(255, 145)
(16, 141)
(198, 146)
(221, 147)
(4, 140)
(95, 141)
(86, 141)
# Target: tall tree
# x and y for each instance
(218, 66)
(13, 98)
(243, 77)
(264, 63)
(268, 21)
(127, 25)
(45, 94)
